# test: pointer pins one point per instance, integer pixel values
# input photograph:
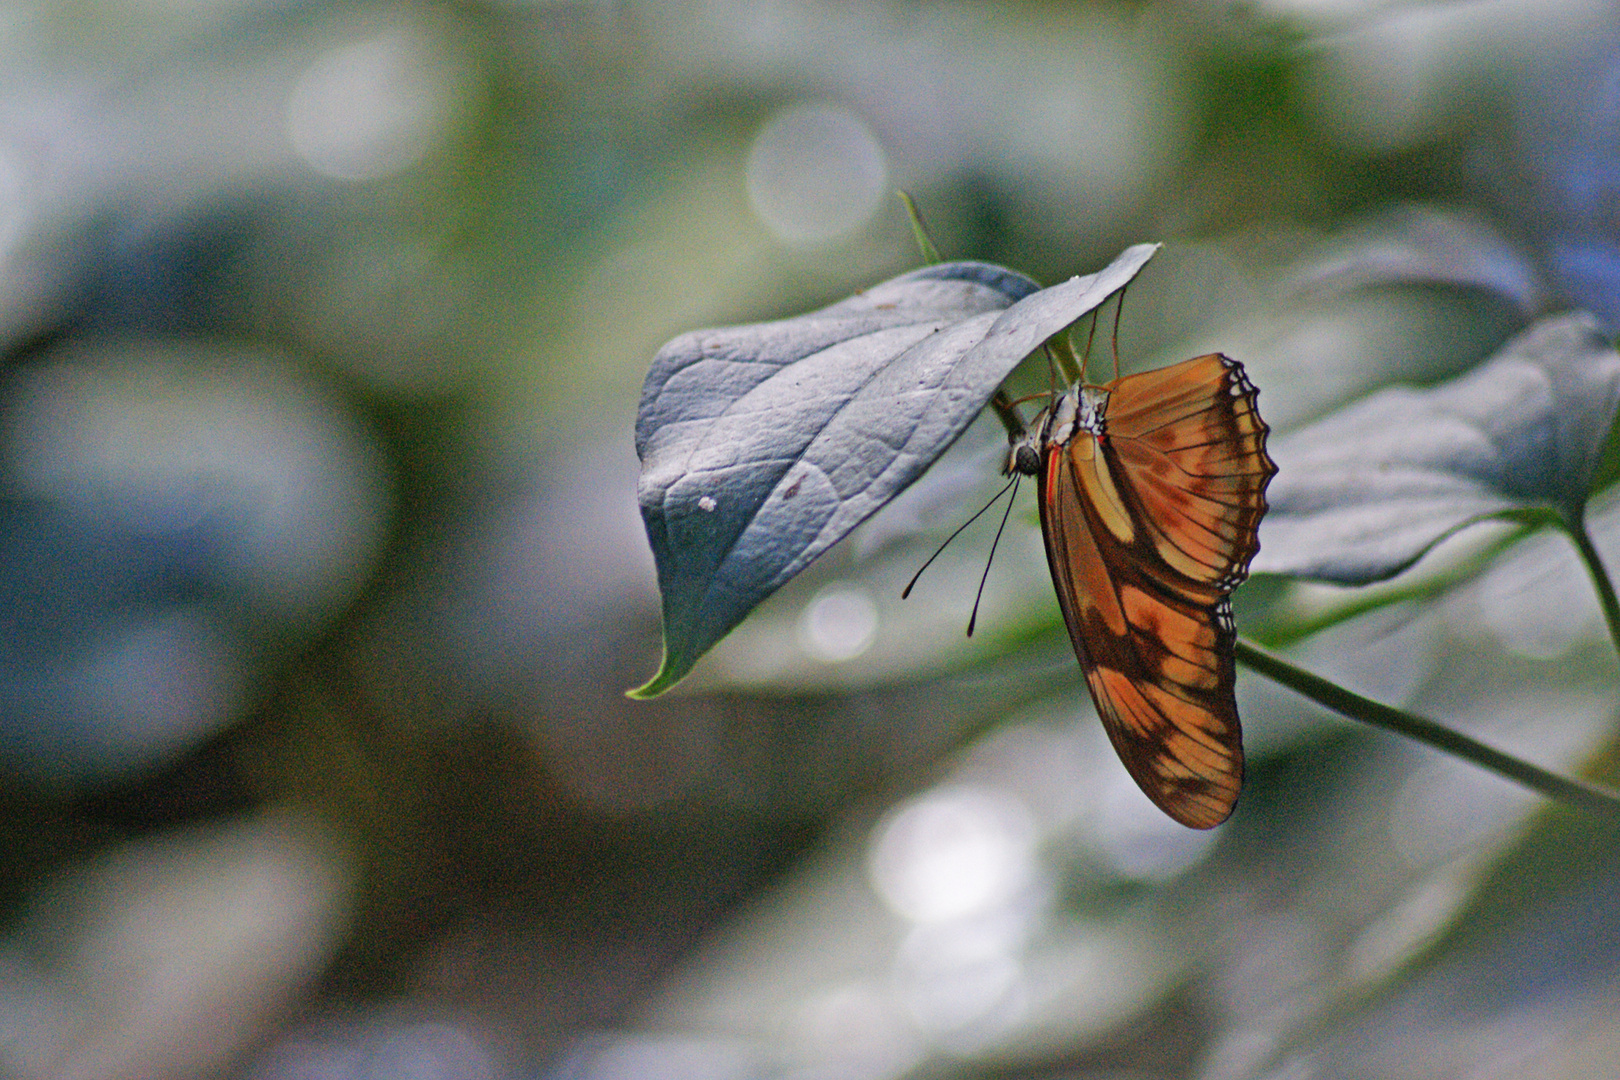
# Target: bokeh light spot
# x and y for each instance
(839, 623)
(372, 109)
(815, 173)
(953, 853)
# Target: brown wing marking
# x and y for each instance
(1091, 607)
(1183, 463)
(1158, 665)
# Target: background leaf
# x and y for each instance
(1422, 245)
(1360, 495)
(763, 445)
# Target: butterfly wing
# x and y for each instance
(1147, 530)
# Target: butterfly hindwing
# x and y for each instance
(1148, 528)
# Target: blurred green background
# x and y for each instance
(321, 577)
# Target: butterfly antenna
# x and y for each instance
(1090, 337)
(1119, 305)
(939, 550)
(974, 618)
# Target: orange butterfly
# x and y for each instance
(1152, 487)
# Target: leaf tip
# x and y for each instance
(652, 688)
(669, 673)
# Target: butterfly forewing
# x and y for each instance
(1149, 523)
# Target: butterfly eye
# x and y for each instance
(1023, 457)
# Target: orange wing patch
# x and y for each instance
(1150, 521)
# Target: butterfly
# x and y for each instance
(1152, 488)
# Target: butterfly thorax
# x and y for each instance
(1091, 403)
(1079, 408)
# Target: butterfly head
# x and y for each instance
(1079, 408)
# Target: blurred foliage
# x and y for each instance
(321, 578)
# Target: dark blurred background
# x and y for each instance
(321, 578)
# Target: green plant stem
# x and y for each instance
(919, 230)
(1575, 525)
(1069, 365)
(1002, 405)
(1580, 794)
